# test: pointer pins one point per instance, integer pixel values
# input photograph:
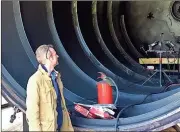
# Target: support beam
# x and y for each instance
(25, 124)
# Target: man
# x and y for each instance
(46, 107)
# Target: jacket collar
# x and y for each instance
(40, 68)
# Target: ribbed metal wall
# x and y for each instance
(89, 37)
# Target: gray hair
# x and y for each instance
(42, 52)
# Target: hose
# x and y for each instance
(117, 91)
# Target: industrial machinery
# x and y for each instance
(93, 36)
(160, 52)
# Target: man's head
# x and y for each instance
(45, 54)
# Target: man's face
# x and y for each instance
(54, 57)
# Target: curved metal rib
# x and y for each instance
(13, 85)
(135, 66)
(120, 82)
(80, 80)
(21, 32)
(68, 37)
(123, 69)
(14, 92)
(14, 51)
(127, 39)
(67, 67)
(145, 108)
(67, 61)
(101, 41)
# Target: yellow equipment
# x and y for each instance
(157, 60)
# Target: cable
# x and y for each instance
(173, 84)
(117, 91)
(163, 90)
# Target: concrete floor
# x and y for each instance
(5, 118)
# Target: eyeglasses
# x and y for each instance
(49, 46)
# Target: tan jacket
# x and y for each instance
(41, 103)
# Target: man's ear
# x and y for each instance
(50, 58)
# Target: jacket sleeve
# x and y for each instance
(32, 104)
